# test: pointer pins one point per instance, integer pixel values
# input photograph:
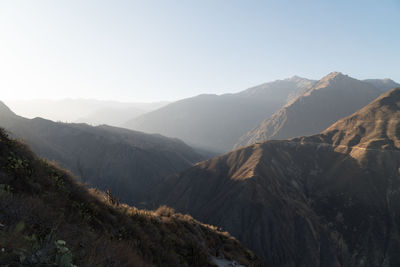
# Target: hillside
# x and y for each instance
(374, 127)
(128, 163)
(47, 218)
(215, 122)
(333, 97)
(326, 200)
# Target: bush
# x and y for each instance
(164, 211)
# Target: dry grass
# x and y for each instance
(98, 230)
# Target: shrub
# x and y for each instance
(164, 211)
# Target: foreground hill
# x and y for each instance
(216, 122)
(331, 199)
(333, 97)
(49, 219)
(128, 163)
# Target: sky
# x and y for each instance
(143, 51)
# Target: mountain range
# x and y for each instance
(216, 122)
(331, 98)
(330, 199)
(94, 112)
(128, 163)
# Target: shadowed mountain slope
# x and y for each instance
(128, 163)
(330, 199)
(49, 219)
(216, 122)
(333, 97)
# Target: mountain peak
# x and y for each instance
(5, 110)
(296, 78)
(334, 76)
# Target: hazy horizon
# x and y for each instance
(121, 101)
(80, 99)
(151, 51)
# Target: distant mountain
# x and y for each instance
(110, 116)
(279, 90)
(128, 163)
(330, 199)
(333, 97)
(374, 128)
(49, 219)
(215, 122)
(82, 110)
(383, 84)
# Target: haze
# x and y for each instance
(199, 133)
(137, 51)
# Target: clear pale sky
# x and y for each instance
(169, 49)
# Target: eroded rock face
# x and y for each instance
(331, 199)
